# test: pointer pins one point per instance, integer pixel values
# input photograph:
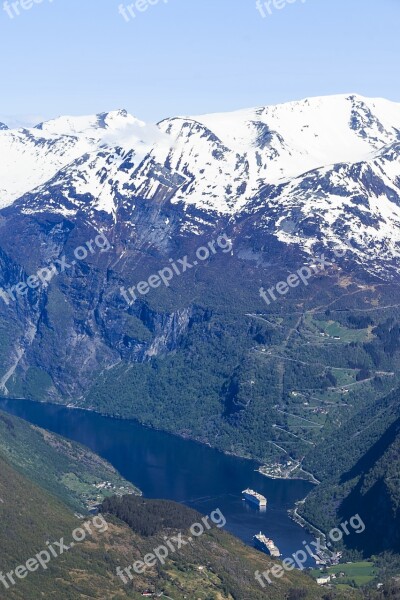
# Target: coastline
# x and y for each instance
(243, 466)
(113, 415)
(308, 476)
(302, 522)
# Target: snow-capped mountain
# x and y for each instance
(329, 165)
(31, 157)
(283, 182)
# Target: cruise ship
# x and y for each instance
(261, 542)
(255, 498)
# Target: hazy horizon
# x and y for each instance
(15, 121)
(175, 59)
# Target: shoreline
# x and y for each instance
(281, 478)
(313, 479)
(256, 465)
(302, 522)
(186, 437)
(310, 479)
(116, 416)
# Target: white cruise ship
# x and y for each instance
(261, 542)
(254, 498)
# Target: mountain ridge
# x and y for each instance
(205, 356)
(325, 162)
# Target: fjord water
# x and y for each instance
(169, 467)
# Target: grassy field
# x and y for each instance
(361, 573)
(62, 467)
(334, 329)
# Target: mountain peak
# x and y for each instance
(89, 125)
(3, 127)
(114, 114)
(335, 154)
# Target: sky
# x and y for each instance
(188, 57)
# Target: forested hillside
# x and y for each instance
(68, 470)
(216, 566)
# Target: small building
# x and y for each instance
(323, 580)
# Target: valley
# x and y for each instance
(306, 384)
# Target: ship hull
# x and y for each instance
(264, 548)
(253, 500)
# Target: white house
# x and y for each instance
(323, 580)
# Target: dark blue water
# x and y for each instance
(165, 466)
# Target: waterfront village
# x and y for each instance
(279, 470)
(104, 489)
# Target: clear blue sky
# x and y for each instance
(193, 56)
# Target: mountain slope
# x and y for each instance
(360, 470)
(205, 355)
(213, 566)
(45, 149)
(66, 469)
(88, 569)
(329, 165)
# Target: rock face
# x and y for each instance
(281, 182)
(328, 166)
(210, 209)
